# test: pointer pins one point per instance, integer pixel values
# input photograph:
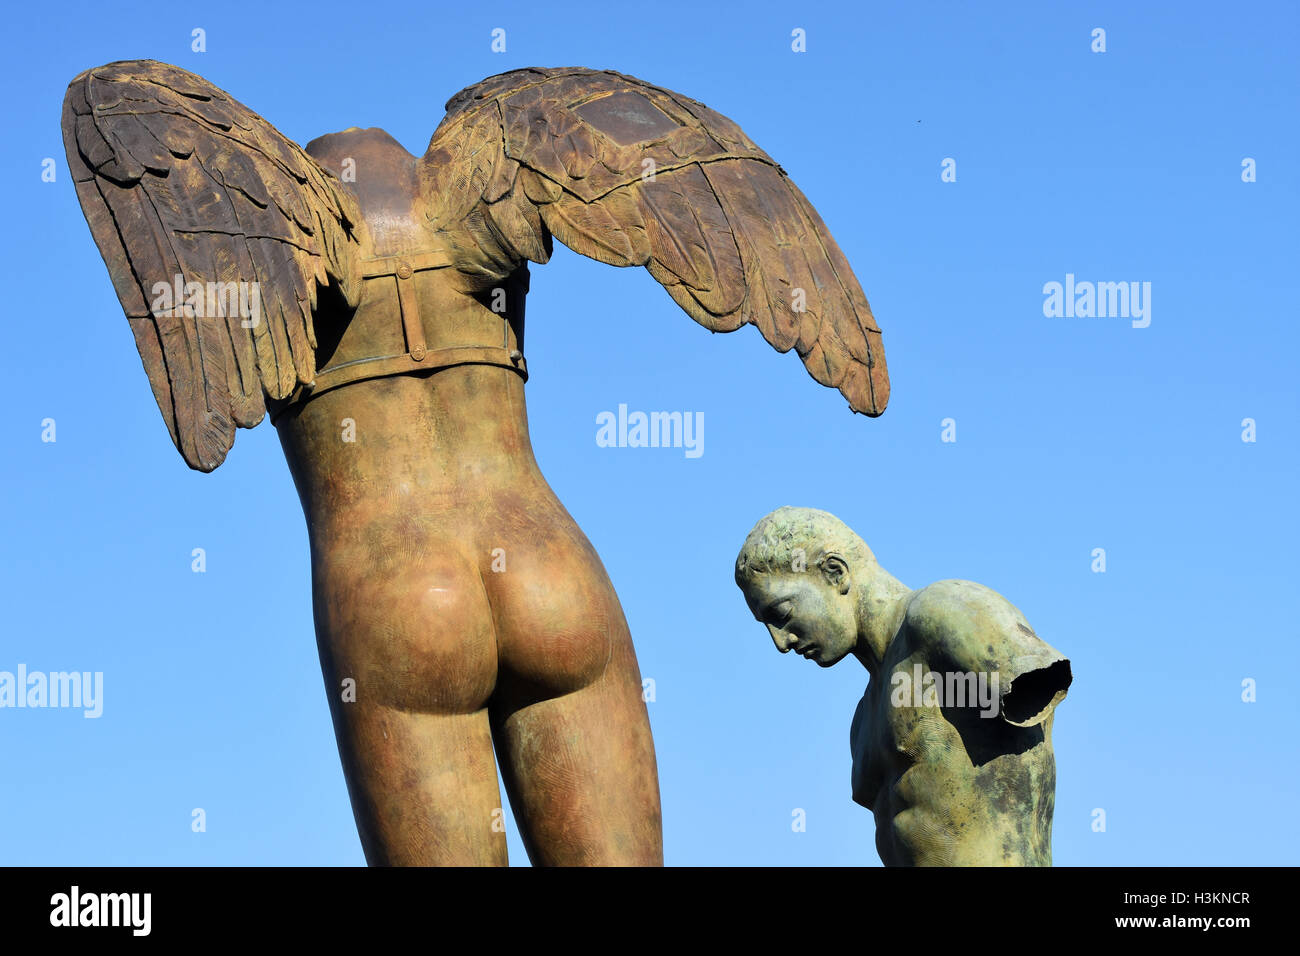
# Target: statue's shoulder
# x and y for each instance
(954, 605)
(967, 626)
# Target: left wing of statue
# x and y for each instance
(634, 175)
(184, 187)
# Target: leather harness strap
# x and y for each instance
(418, 356)
(362, 369)
(403, 268)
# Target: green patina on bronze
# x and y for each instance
(952, 740)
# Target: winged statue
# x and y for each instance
(372, 303)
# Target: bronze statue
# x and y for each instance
(952, 741)
(373, 302)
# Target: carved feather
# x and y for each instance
(177, 178)
(632, 174)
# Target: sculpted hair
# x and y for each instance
(773, 543)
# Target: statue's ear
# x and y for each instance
(836, 571)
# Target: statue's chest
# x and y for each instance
(894, 728)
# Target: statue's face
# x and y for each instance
(805, 612)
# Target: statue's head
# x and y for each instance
(799, 570)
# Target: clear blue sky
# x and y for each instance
(1072, 434)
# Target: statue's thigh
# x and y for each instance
(568, 718)
(423, 786)
(580, 771)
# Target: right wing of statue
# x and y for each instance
(634, 175)
(177, 179)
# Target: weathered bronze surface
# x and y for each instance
(384, 330)
(952, 741)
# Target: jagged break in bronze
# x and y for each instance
(376, 307)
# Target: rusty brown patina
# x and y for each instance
(460, 612)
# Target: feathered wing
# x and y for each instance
(176, 178)
(634, 175)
